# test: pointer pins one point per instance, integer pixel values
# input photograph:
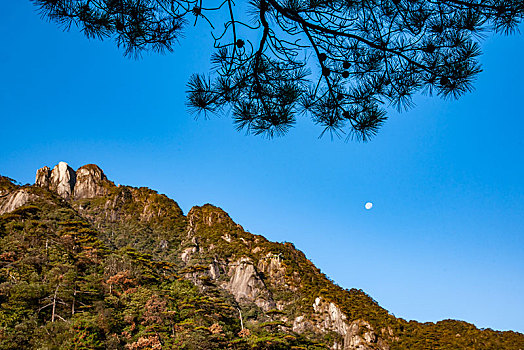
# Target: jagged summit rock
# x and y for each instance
(88, 181)
(62, 180)
(43, 177)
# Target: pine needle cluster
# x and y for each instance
(339, 62)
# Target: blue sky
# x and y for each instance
(445, 238)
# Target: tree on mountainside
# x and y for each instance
(369, 53)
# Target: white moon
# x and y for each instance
(368, 205)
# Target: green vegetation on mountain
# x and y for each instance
(128, 270)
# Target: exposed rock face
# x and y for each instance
(333, 318)
(246, 285)
(15, 200)
(186, 254)
(357, 335)
(208, 215)
(111, 207)
(89, 182)
(244, 280)
(43, 177)
(62, 180)
(273, 270)
(214, 270)
(302, 324)
(251, 279)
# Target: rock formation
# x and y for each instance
(358, 334)
(15, 200)
(62, 180)
(43, 177)
(246, 285)
(87, 182)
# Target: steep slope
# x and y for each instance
(87, 264)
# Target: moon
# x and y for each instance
(368, 205)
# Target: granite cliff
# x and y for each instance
(88, 181)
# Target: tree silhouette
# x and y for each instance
(369, 53)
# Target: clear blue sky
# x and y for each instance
(445, 238)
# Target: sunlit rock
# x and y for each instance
(90, 181)
(15, 200)
(62, 180)
(43, 177)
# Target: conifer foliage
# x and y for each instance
(365, 55)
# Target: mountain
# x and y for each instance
(86, 264)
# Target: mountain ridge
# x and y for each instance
(277, 298)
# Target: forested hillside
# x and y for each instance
(86, 264)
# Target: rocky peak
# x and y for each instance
(87, 182)
(43, 177)
(208, 215)
(62, 180)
